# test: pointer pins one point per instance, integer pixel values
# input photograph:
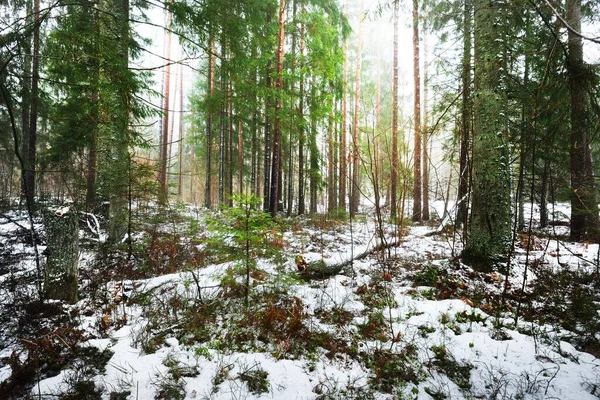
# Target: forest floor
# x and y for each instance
(170, 318)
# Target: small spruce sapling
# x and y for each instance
(242, 231)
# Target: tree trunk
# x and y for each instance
(62, 232)
(417, 213)
(544, 195)
(229, 147)
(209, 125)
(314, 154)
(331, 192)
(344, 132)
(92, 162)
(355, 136)
(302, 130)
(584, 209)
(425, 132)
(276, 159)
(29, 180)
(26, 97)
(465, 128)
(222, 127)
(163, 189)
(394, 171)
(240, 158)
(490, 233)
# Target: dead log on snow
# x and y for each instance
(319, 269)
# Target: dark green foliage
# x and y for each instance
(459, 373)
(394, 369)
(428, 276)
(244, 232)
(256, 379)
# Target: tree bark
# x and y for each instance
(29, 181)
(394, 171)
(417, 213)
(490, 234)
(465, 127)
(302, 130)
(209, 125)
(163, 189)
(355, 134)
(276, 159)
(344, 131)
(331, 192)
(62, 254)
(584, 208)
(222, 127)
(425, 131)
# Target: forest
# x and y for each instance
(299, 199)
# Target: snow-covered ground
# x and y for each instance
(414, 324)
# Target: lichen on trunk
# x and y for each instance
(62, 254)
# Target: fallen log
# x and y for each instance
(320, 269)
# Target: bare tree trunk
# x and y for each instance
(394, 171)
(331, 192)
(26, 96)
(209, 125)
(267, 154)
(425, 129)
(33, 116)
(92, 162)
(222, 128)
(302, 133)
(163, 189)
(344, 132)
(355, 136)
(62, 229)
(584, 208)
(292, 130)
(417, 214)
(276, 159)
(544, 195)
(240, 158)
(229, 147)
(465, 128)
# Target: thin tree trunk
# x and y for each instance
(301, 135)
(344, 132)
(290, 187)
(465, 128)
(230, 140)
(544, 195)
(26, 97)
(355, 136)
(240, 158)
(276, 159)
(417, 213)
(35, 74)
(222, 128)
(425, 129)
(314, 155)
(209, 125)
(394, 171)
(164, 150)
(92, 162)
(267, 135)
(331, 195)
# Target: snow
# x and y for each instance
(506, 361)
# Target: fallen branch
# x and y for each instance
(321, 270)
